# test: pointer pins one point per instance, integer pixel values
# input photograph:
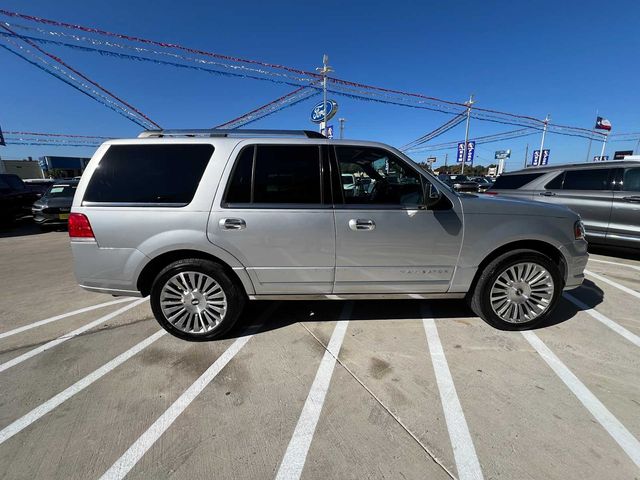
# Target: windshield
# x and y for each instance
(460, 178)
(60, 191)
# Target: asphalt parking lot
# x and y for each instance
(344, 390)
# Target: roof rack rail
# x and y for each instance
(222, 132)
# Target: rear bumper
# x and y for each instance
(576, 257)
(107, 270)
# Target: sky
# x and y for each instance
(566, 58)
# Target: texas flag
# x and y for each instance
(603, 124)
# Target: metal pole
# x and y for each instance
(466, 134)
(637, 147)
(341, 120)
(446, 158)
(526, 154)
(324, 71)
(589, 150)
(604, 144)
(544, 133)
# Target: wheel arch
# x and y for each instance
(156, 264)
(536, 245)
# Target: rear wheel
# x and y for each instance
(194, 299)
(517, 290)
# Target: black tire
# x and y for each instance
(480, 298)
(234, 296)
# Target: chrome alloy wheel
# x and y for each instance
(522, 292)
(193, 302)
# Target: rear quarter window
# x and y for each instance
(149, 174)
(587, 179)
(510, 182)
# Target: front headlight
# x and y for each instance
(578, 229)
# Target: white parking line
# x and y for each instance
(135, 452)
(296, 454)
(464, 452)
(64, 315)
(613, 284)
(32, 353)
(619, 329)
(635, 267)
(38, 412)
(612, 425)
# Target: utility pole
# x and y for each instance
(446, 159)
(544, 133)
(466, 133)
(526, 154)
(324, 71)
(341, 120)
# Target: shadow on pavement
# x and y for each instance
(289, 312)
(24, 227)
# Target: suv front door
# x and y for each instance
(276, 218)
(386, 240)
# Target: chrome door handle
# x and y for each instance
(361, 224)
(547, 194)
(232, 224)
(633, 198)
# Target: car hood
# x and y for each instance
(495, 205)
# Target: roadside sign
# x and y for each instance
(598, 158)
(492, 171)
(317, 114)
(502, 154)
(540, 160)
(471, 147)
(329, 132)
(431, 160)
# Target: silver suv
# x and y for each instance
(606, 195)
(203, 221)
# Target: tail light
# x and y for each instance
(579, 230)
(80, 228)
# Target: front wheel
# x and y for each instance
(518, 290)
(194, 299)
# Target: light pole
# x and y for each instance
(526, 154)
(341, 120)
(466, 133)
(324, 71)
(604, 144)
(544, 133)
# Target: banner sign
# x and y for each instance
(471, 147)
(329, 131)
(540, 160)
(317, 114)
(620, 154)
(598, 158)
(502, 154)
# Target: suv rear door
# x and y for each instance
(386, 241)
(276, 218)
(624, 226)
(586, 191)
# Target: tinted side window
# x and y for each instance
(507, 182)
(556, 183)
(239, 189)
(373, 176)
(631, 181)
(287, 174)
(276, 174)
(149, 174)
(588, 179)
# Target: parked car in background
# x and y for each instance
(39, 185)
(203, 221)
(15, 198)
(606, 195)
(54, 206)
(484, 183)
(461, 183)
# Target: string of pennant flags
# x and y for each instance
(28, 36)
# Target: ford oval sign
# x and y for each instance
(317, 114)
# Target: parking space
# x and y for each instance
(384, 389)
